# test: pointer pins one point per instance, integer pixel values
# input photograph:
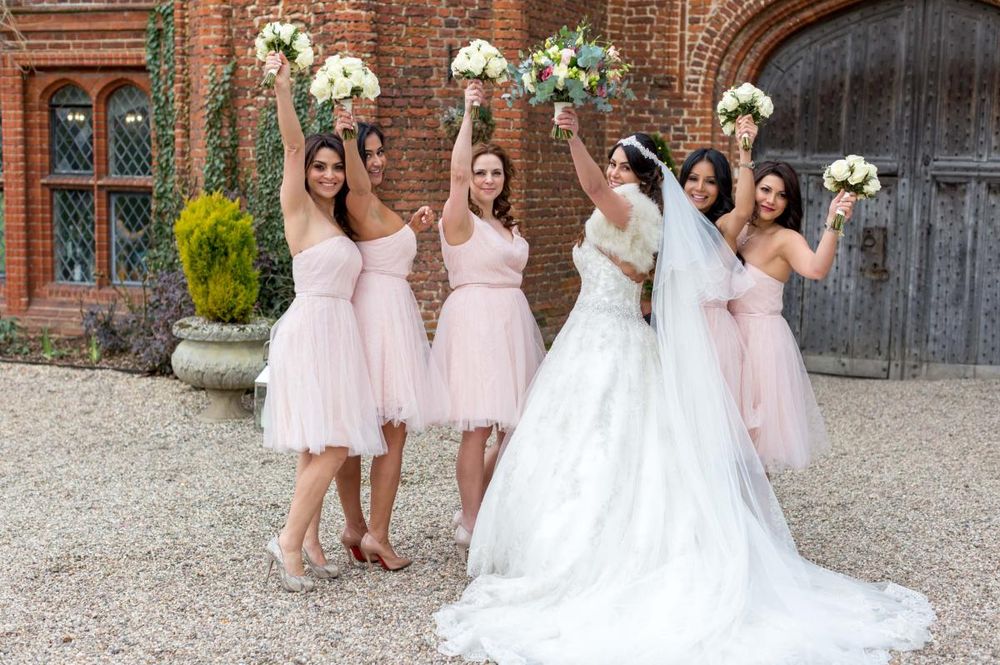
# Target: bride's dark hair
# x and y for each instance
(647, 170)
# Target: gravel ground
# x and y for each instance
(130, 533)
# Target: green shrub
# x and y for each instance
(216, 243)
(663, 151)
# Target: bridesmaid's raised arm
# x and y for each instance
(360, 196)
(810, 264)
(595, 185)
(455, 216)
(732, 223)
(295, 200)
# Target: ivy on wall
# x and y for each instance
(160, 63)
(221, 135)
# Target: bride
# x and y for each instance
(629, 519)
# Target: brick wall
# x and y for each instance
(684, 51)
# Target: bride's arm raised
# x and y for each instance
(295, 200)
(613, 206)
(455, 216)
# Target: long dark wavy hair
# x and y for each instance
(792, 217)
(648, 171)
(501, 204)
(314, 144)
(723, 179)
(366, 129)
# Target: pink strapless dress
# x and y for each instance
(731, 352)
(407, 384)
(791, 431)
(319, 394)
(487, 342)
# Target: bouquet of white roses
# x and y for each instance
(851, 174)
(570, 68)
(746, 99)
(480, 60)
(341, 79)
(284, 38)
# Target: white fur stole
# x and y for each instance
(637, 242)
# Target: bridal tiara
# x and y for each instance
(646, 152)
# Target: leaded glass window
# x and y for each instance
(72, 131)
(129, 152)
(130, 216)
(73, 214)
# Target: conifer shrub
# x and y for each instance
(217, 248)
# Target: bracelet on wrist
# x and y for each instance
(748, 165)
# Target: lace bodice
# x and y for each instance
(604, 288)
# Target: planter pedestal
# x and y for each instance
(222, 358)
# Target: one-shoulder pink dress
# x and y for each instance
(487, 342)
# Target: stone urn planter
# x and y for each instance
(222, 358)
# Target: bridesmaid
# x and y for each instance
(319, 401)
(791, 428)
(708, 183)
(487, 341)
(409, 390)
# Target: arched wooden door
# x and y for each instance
(914, 86)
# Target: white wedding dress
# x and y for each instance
(628, 521)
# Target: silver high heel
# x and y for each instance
(289, 582)
(463, 538)
(325, 572)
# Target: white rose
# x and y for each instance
(461, 63)
(858, 174)
(357, 77)
(495, 67)
(745, 92)
(370, 89)
(286, 32)
(476, 63)
(304, 59)
(840, 170)
(872, 187)
(342, 88)
(766, 107)
(872, 171)
(728, 128)
(261, 47)
(854, 160)
(301, 42)
(729, 102)
(268, 31)
(829, 182)
(320, 87)
(350, 62)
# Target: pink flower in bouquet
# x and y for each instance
(546, 73)
(613, 55)
(567, 55)
(602, 90)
